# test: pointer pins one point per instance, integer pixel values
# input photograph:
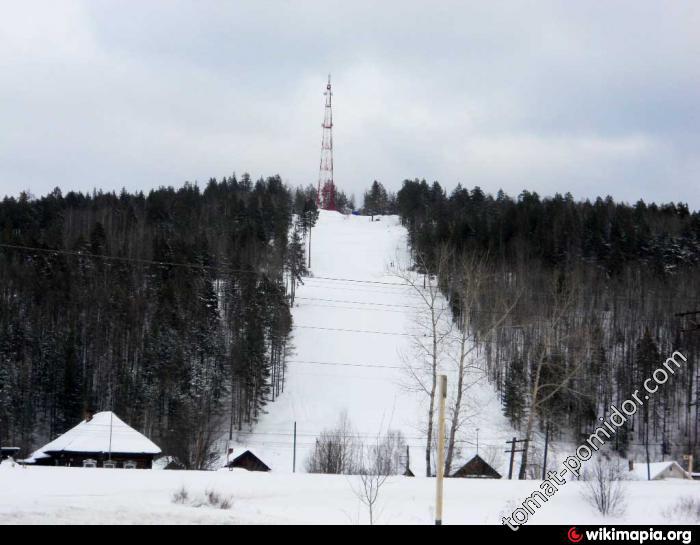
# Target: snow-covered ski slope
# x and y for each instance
(353, 322)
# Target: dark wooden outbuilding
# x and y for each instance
(246, 460)
(8, 452)
(477, 468)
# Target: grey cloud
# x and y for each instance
(550, 96)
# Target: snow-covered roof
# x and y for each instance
(94, 436)
(239, 451)
(657, 469)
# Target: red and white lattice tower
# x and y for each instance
(325, 196)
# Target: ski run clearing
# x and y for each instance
(354, 322)
(353, 327)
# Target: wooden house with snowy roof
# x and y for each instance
(657, 471)
(101, 440)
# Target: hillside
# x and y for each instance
(353, 322)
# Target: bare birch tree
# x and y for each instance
(379, 462)
(468, 280)
(546, 354)
(434, 325)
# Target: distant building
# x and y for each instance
(8, 452)
(659, 471)
(245, 459)
(476, 468)
(102, 440)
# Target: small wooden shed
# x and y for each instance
(8, 452)
(476, 468)
(245, 459)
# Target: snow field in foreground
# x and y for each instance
(44, 495)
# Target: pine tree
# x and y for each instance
(376, 200)
(296, 263)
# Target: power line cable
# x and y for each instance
(225, 268)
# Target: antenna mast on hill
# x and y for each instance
(325, 196)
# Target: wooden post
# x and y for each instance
(441, 452)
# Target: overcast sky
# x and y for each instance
(589, 97)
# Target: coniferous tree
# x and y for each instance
(296, 263)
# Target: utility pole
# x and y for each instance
(546, 448)
(512, 452)
(512, 457)
(441, 452)
(111, 415)
(477, 441)
(689, 457)
(294, 455)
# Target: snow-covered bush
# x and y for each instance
(211, 498)
(181, 496)
(214, 499)
(338, 451)
(605, 488)
(686, 509)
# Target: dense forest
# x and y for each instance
(597, 288)
(171, 308)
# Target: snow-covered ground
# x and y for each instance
(332, 370)
(45, 495)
